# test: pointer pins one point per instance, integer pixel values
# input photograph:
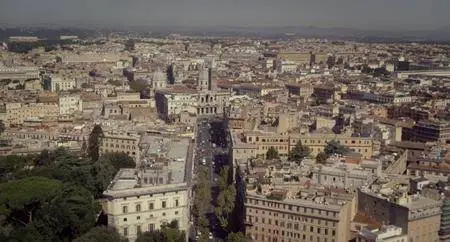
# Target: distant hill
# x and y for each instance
(438, 35)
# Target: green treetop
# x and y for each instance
(299, 152)
(272, 153)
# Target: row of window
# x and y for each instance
(153, 180)
(319, 149)
(151, 206)
(182, 103)
(151, 216)
(106, 140)
(292, 237)
(128, 153)
(119, 146)
(312, 229)
(276, 147)
(37, 136)
(68, 105)
(151, 227)
(311, 141)
(418, 172)
(290, 207)
(292, 218)
(150, 195)
(114, 111)
(188, 98)
(28, 110)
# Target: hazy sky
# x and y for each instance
(369, 14)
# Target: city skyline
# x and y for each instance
(374, 15)
(236, 134)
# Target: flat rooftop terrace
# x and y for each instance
(173, 151)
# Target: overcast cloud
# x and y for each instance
(368, 14)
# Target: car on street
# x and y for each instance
(197, 237)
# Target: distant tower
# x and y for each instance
(203, 79)
(212, 71)
(212, 78)
(159, 80)
(211, 62)
(208, 76)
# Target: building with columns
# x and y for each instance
(211, 101)
(205, 100)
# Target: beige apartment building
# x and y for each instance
(34, 84)
(157, 192)
(255, 143)
(139, 203)
(21, 73)
(121, 142)
(96, 58)
(61, 83)
(293, 219)
(418, 216)
(32, 134)
(349, 177)
(17, 113)
(70, 103)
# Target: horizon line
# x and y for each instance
(105, 26)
